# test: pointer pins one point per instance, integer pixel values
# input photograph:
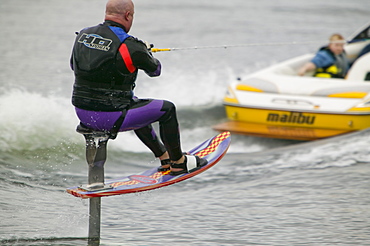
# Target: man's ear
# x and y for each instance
(127, 15)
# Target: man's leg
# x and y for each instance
(142, 113)
(148, 136)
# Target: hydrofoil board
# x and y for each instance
(212, 149)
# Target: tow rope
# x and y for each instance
(234, 46)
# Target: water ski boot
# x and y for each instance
(164, 163)
(191, 164)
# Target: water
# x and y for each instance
(264, 192)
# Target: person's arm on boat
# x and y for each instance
(321, 59)
(309, 66)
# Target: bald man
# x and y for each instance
(106, 60)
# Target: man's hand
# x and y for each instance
(148, 45)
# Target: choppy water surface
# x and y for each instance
(264, 192)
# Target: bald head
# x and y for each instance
(120, 11)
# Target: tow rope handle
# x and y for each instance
(158, 50)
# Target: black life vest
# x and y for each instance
(104, 73)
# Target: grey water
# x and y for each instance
(264, 191)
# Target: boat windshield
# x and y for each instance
(361, 34)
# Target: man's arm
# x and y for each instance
(309, 66)
(142, 57)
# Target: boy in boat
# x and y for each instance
(106, 60)
(330, 61)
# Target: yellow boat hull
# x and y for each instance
(273, 131)
(290, 124)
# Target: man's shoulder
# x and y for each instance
(325, 54)
(135, 43)
(132, 39)
(323, 58)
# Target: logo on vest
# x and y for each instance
(94, 41)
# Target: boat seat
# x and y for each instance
(360, 70)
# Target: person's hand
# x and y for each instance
(301, 72)
(309, 66)
(149, 46)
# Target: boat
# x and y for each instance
(277, 103)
